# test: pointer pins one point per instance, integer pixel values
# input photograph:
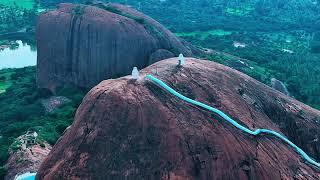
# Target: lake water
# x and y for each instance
(20, 57)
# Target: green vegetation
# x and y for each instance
(282, 40)
(3, 171)
(109, 8)
(14, 18)
(286, 56)
(22, 111)
(7, 43)
(239, 11)
(250, 68)
(117, 11)
(205, 34)
(4, 82)
(25, 4)
(78, 10)
(15, 145)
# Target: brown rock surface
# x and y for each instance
(127, 129)
(84, 44)
(26, 160)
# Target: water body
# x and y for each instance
(26, 176)
(20, 57)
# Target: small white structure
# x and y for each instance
(135, 73)
(181, 60)
(23, 146)
(35, 134)
(239, 44)
(287, 51)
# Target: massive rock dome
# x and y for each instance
(134, 129)
(85, 44)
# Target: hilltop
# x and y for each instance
(127, 128)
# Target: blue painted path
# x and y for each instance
(233, 122)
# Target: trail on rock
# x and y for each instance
(256, 132)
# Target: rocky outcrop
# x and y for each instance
(52, 103)
(26, 160)
(133, 129)
(84, 44)
(160, 55)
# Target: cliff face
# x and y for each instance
(136, 130)
(85, 44)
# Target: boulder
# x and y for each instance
(160, 55)
(134, 129)
(25, 160)
(85, 44)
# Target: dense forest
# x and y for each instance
(15, 17)
(273, 38)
